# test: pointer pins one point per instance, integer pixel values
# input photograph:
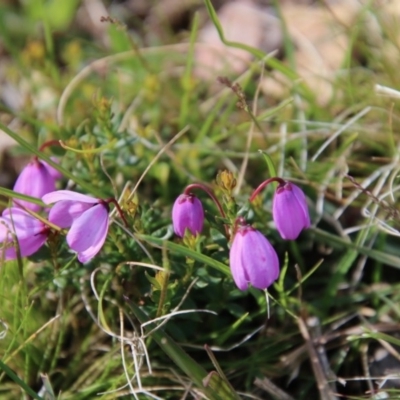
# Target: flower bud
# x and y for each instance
(290, 211)
(226, 181)
(187, 213)
(253, 259)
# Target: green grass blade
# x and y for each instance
(377, 255)
(19, 381)
(187, 77)
(270, 164)
(179, 249)
(15, 195)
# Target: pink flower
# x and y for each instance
(52, 171)
(30, 233)
(290, 211)
(87, 217)
(252, 259)
(187, 213)
(35, 180)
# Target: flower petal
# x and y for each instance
(8, 253)
(21, 223)
(5, 233)
(290, 211)
(29, 232)
(32, 244)
(8, 250)
(302, 202)
(27, 247)
(34, 180)
(235, 261)
(260, 260)
(65, 212)
(60, 195)
(52, 171)
(88, 232)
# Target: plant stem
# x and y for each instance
(208, 191)
(211, 194)
(121, 213)
(264, 184)
(54, 142)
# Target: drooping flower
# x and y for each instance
(35, 180)
(187, 213)
(252, 259)
(30, 233)
(87, 218)
(290, 210)
(52, 171)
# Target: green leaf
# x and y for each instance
(58, 13)
(179, 249)
(231, 329)
(376, 335)
(329, 238)
(19, 381)
(272, 62)
(187, 77)
(49, 392)
(153, 281)
(15, 195)
(270, 165)
(214, 18)
(219, 385)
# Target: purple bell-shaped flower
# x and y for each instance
(252, 259)
(35, 180)
(290, 210)
(187, 213)
(87, 217)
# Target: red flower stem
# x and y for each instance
(212, 196)
(115, 202)
(238, 221)
(208, 191)
(54, 142)
(264, 184)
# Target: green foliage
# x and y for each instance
(156, 315)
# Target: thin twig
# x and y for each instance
(319, 373)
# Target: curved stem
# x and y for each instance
(264, 184)
(214, 199)
(209, 192)
(54, 142)
(115, 202)
(238, 221)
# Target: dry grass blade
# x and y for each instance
(321, 375)
(272, 389)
